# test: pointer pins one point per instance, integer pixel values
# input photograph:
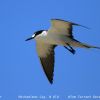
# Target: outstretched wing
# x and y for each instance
(62, 27)
(46, 55)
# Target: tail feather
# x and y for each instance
(89, 46)
(76, 43)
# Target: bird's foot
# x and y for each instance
(72, 51)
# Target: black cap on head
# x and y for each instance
(35, 34)
(38, 32)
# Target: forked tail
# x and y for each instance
(76, 43)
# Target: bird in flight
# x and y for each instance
(60, 33)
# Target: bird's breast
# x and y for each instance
(52, 39)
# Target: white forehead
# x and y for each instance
(33, 35)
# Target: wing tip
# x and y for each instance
(51, 82)
(48, 76)
(50, 79)
(97, 47)
(84, 26)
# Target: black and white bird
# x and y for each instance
(60, 33)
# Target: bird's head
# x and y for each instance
(34, 35)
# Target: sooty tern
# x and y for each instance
(60, 33)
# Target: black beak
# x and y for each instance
(29, 39)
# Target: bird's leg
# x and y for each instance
(71, 49)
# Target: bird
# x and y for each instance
(60, 33)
